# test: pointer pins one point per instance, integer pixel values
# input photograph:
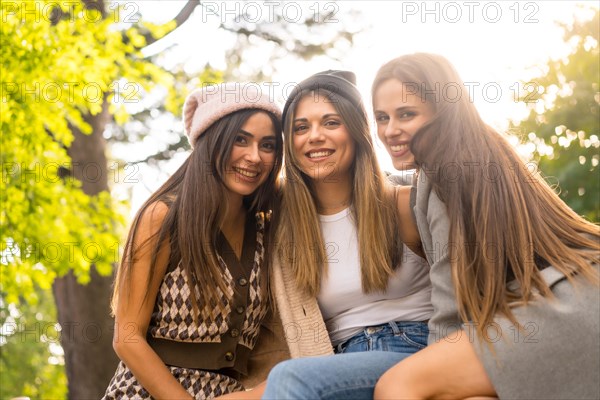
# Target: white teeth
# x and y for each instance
(246, 172)
(320, 154)
(399, 147)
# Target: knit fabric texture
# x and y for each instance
(340, 83)
(205, 106)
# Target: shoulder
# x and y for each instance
(402, 184)
(151, 219)
(431, 214)
(426, 199)
(155, 212)
(407, 228)
(402, 196)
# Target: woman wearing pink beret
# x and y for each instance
(190, 293)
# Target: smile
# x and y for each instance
(245, 172)
(399, 147)
(319, 153)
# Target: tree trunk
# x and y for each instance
(83, 311)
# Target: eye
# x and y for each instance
(268, 146)
(382, 118)
(240, 139)
(407, 114)
(332, 123)
(300, 128)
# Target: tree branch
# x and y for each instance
(257, 32)
(183, 16)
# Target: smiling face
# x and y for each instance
(399, 115)
(252, 156)
(321, 142)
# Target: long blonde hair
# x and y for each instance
(301, 243)
(505, 222)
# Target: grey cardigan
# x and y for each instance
(555, 356)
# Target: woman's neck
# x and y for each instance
(234, 222)
(236, 212)
(333, 196)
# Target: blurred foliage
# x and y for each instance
(52, 76)
(304, 31)
(31, 359)
(563, 126)
(320, 29)
(60, 64)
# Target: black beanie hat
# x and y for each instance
(342, 83)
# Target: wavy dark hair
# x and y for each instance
(505, 222)
(194, 196)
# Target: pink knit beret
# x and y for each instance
(203, 107)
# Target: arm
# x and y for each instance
(450, 370)
(134, 311)
(434, 371)
(434, 228)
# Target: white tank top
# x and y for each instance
(346, 309)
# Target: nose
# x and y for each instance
(391, 129)
(252, 155)
(315, 134)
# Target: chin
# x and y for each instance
(404, 165)
(241, 190)
(247, 192)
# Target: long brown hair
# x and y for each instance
(373, 208)
(505, 222)
(194, 196)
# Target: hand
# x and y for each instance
(252, 394)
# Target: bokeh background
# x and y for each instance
(91, 97)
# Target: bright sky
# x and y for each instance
(495, 45)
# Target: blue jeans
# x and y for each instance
(352, 374)
(400, 337)
(341, 376)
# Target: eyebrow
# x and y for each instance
(246, 133)
(324, 117)
(397, 109)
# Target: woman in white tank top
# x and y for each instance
(339, 230)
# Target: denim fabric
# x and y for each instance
(340, 376)
(354, 371)
(400, 337)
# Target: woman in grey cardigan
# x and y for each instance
(514, 270)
